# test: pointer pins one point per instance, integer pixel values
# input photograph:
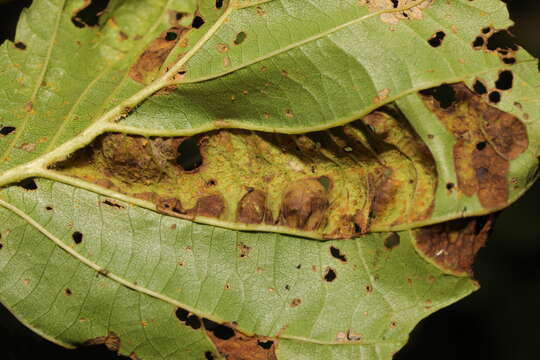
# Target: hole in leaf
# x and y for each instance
(20, 45)
(509, 61)
(6, 130)
(49, 208)
(181, 314)
(501, 40)
(68, 292)
(28, 184)
(437, 38)
(450, 186)
(197, 22)
(265, 344)
(481, 145)
(335, 252)
(77, 237)
(113, 204)
(505, 80)
(220, 331)
(486, 30)
(478, 42)
(391, 241)
(208, 355)
(193, 321)
(240, 37)
(330, 275)
(479, 87)
(90, 13)
(444, 94)
(219, 4)
(495, 97)
(170, 36)
(190, 155)
(357, 228)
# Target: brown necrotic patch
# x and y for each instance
(487, 139)
(453, 245)
(371, 175)
(147, 66)
(235, 345)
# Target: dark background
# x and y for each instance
(501, 321)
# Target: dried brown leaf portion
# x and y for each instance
(243, 347)
(150, 61)
(487, 139)
(453, 245)
(372, 174)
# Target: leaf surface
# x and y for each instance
(138, 143)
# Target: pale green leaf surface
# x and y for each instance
(378, 293)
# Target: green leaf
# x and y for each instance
(307, 293)
(386, 127)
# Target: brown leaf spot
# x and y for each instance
(169, 206)
(391, 241)
(486, 140)
(295, 302)
(210, 206)
(304, 205)
(244, 250)
(252, 208)
(234, 345)
(154, 56)
(111, 341)
(453, 245)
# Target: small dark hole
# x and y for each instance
(481, 145)
(112, 204)
(1, 246)
(391, 241)
(486, 30)
(505, 80)
(219, 4)
(171, 36)
(28, 184)
(357, 228)
(501, 40)
(265, 344)
(450, 186)
(89, 15)
(20, 45)
(298, 266)
(211, 182)
(479, 87)
(495, 97)
(330, 275)
(6, 130)
(220, 331)
(190, 155)
(197, 22)
(181, 314)
(436, 40)
(509, 61)
(77, 237)
(193, 321)
(444, 94)
(335, 252)
(48, 208)
(208, 355)
(240, 37)
(478, 42)
(395, 3)
(68, 292)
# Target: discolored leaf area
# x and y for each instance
(255, 179)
